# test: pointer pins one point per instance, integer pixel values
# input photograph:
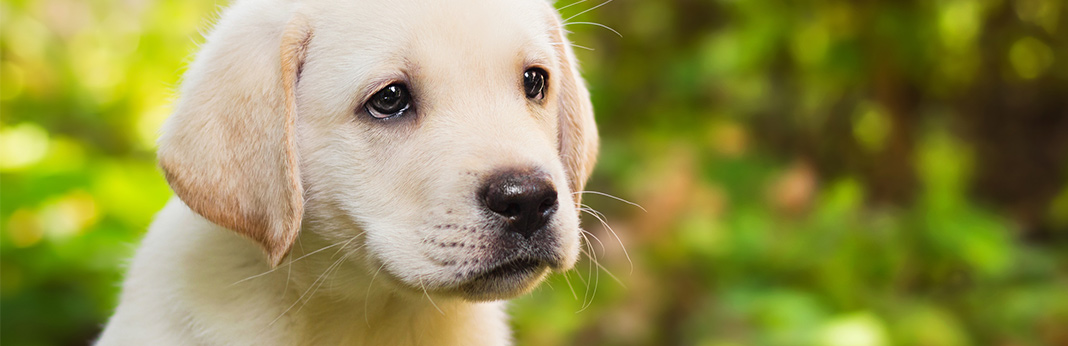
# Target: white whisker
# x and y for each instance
(596, 284)
(427, 294)
(582, 279)
(367, 295)
(329, 270)
(289, 276)
(583, 47)
(572, 4)
(599, 242)
(587, 245)
(347, 244)
(606, 271)
(610, 196)
(590, 9)
(587, 297)
(585, 232)
(288, 264)
(597, 24)
(313, 285)
(318, 281)
(618, 239)
(591, 211)
(567, 279)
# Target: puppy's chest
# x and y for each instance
(406, 334)
(460, 324)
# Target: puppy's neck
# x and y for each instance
(336, 298)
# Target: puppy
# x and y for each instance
(363, 172)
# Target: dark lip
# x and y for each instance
(504, 280)
(497, 282)
(512, 268)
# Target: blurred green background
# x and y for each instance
(814, 172)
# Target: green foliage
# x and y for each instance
(814, 172)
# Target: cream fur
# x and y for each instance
(299, 220)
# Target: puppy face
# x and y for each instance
(438, 135)
(445, 143)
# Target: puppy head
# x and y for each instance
(447, 139)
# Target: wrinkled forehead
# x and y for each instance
(453, 32)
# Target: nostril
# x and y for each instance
(548, 204)
(511, 210)
(499, 202)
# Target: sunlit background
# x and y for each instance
(812, 172)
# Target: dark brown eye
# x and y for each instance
(391, 101)
(534, 83)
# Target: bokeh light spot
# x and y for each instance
(68, 215)
(858, 329)
(871, 127)
(1030, 57)
(21, 146)
(959, 23)
(23, 228)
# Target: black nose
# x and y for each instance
(523, 199)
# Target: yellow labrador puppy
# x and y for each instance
(363, 172)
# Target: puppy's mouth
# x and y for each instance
(505, 280)
(517, 268)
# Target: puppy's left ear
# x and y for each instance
(229, 149)
(578, 137)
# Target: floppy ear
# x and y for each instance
(228, 151)
(578, 130)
